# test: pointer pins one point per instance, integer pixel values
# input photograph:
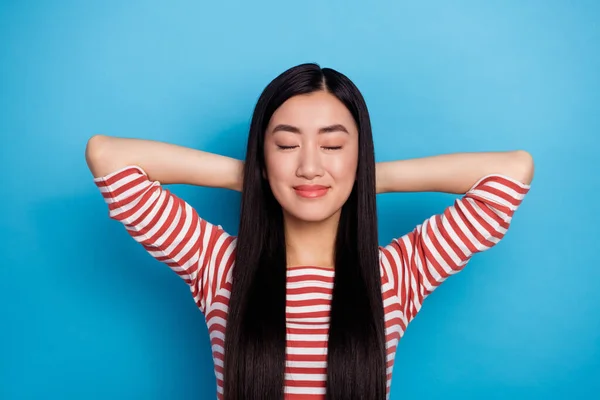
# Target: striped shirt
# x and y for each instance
(411, 266)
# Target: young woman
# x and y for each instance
(314, 308)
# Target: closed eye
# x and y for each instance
(286, 147)
(332, 147)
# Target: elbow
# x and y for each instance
(95, 154)
(524, 166)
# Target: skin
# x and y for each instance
(311, 140)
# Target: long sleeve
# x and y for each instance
(170, 230)
(442, 245)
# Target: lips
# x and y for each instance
(311, 191)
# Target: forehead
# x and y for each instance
(313, 111)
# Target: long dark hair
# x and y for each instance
(255, 337)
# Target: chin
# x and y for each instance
(314, 215)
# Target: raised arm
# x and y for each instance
(130, 172)
(452, 173)
(493, 184)
(163, 162)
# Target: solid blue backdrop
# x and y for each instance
(86, 313)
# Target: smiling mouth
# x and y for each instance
(311, 191)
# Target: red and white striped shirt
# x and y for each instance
(411, 266)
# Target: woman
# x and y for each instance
(314, 308)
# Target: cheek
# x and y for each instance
(278, 168)
(343, 169)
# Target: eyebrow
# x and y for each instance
(325, 129)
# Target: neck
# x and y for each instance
(311, 243)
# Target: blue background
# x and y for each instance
(86, 313)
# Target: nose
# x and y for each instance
(310, 165)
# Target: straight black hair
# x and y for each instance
(255, 337)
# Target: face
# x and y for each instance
(311, 156)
